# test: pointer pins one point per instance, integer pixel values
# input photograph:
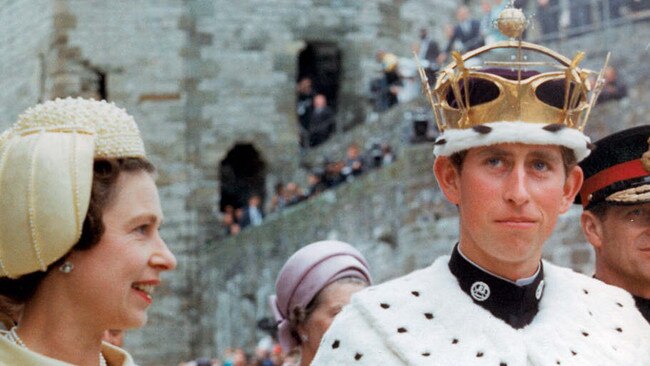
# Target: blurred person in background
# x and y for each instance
(9, 313)
(467, 31)
(322, 122)
(614, 88)
(390, 84)
(428, 52)
(313, 286)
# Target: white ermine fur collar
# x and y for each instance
(424, 318)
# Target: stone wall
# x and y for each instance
(201, 76)
(22, 58)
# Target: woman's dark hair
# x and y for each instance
(105, 175)
(8, 312)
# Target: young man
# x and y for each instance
(507, 160)
(616, 217)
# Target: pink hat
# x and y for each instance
(306, 273)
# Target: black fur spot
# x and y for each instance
(482, 129)
(554, 127)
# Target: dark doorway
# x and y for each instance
(242, 174)
(321, 62)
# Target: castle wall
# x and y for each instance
(24, 39)
(201, 76)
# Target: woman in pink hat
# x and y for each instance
(312, 287)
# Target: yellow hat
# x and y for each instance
(46, 170)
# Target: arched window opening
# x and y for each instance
(242, 174)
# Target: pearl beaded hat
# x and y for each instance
(46, 170)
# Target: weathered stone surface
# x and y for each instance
(201, 76)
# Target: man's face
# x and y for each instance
(509, 198)
(462, 14)
(610, 74)
(622, 242)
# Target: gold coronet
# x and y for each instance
(509, 90)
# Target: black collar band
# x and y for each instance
(515, 305)
(644, 307)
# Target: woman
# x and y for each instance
(79, 243)
(312, 287)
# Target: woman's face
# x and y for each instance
(115, 279)
(332, 299)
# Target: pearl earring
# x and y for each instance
(304, 337)
(66, 267)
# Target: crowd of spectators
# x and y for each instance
(267, 352)
(262, 356)
(329, 174)
(576, 17)
(332, 173)
(399, 81)
(234, 219)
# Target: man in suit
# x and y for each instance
(322, 122)
(429, 51)
(467, 31)
(253, 213)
